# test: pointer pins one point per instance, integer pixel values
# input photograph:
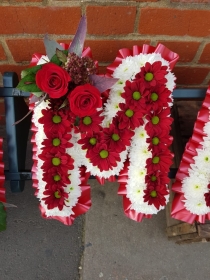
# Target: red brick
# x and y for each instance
(22, 49)
(2, 53)
(174, 22)
(205, 56)
(102, 69)
(23, 1)
(185, 50)
(108, 20)
(39, 20)
(106, 51)
(12, 68)
(190, 75)
(191, 1)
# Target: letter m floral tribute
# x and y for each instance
(107, 126)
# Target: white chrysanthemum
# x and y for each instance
(170, 84)
(135, 193)
(197, 206)
(196, 184)
(140, 136)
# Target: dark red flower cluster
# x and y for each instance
(103, 146)
(56, 162)
(147, 101)
(158, 122)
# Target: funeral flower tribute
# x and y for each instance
(107, 126)
(192, 189)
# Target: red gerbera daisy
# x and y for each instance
(62, 162)
(89, 141)
(159, 141)
(160, 161)
(159, 97)
(156, 178)
(158, 121)
(129, 117)
(152, 74)
(91, 124)
(103, 157)
(55, 197)
(134, 94)
(156, 196)
(117, 139)
(55, 121)
(54, 177)
(57, 141)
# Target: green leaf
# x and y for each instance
(76, 123)
(61, 55)
(28, 83)
(3, 217)
(56, 60)
(32, 70)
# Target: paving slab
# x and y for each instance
(117, 248)
(35, 248)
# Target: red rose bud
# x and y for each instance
(53, 80)
(84, 100)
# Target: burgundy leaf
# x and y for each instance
(78, 42)
(102, 83)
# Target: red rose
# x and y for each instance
(84, 100)
(53, 80)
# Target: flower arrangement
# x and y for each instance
(192, 189)
(107, 126)
(144, 90)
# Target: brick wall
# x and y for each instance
(181, 25)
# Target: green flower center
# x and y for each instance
(56, 142)
(115, 137)
(155, 160)
(57, 195)
(148, 77)
(104, 154)
(87, 120)
(155, 140)
(129, 113)
(56, 119)
(153, 193)
(136, 95)
(56, 161)
(56, 178)
(154, 96)
(155, 120)
(93, 141)
(153, 178)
